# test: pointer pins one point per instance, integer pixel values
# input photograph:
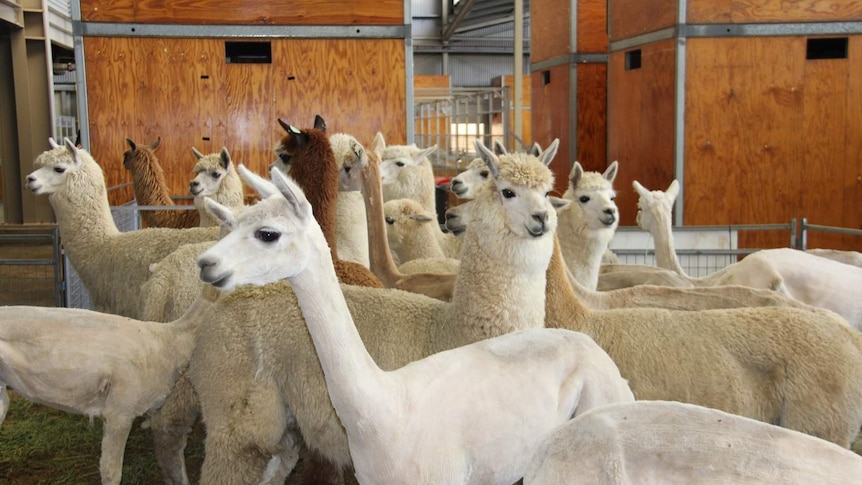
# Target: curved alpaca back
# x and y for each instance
(589, 223)
(151, 188)
(216, 178)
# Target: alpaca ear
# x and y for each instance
(499, 149)
(53, 143)
(224, 158)
(377, 146)
(156, 143)
(359, 151)
(491, 160)
(293, 132)
(73, 150)
(673, 190)
(424, 153)
(319, 123)
(263, 186)
(197, 154)
(559, 203)
(292, 193)
(535, 150)
(576, 174)
(640, 189)
(422, 218)
(132, 145)
(221, 212)
(549, 154)
(611, 172)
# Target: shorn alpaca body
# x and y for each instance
(419, 423)
(216, 178)
(93, 364)
(661, 442)
(805, 277)
(148, 180)
(589, 223)
(111, 264)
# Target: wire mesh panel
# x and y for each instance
(29, 267)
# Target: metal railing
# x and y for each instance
(30, 270)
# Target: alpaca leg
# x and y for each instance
(4, 402)
(282, 464)
(114, 436)
(317, 470)
(171, 425)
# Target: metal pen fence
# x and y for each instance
(30, 268)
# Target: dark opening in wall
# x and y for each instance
(633, 59)
(546, 78)
(248, 52)
(834, 48)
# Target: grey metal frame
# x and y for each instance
(52, 237)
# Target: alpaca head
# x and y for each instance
(405, 216)
(210, 171)
(655, 207)
(268, 241)
(61, 166)
(136, 157)
(298, 145)
(350, 157)
(400, 160)
(592, 195)
(458, 218)
(464, 184)
(521, 183)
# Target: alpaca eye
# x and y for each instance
(266, 235)
(584, 199)
(285, 158)
(59, 169)
(547, 193)
(613, 197)
(507, 193)
(216, 175)
(390, 221)
(400, 164)
(483, 174)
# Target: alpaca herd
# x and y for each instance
(335, 314)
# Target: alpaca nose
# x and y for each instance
(204, 263)
(31, 178)
(450, 216)
(193, 183)
(347, 169)
(541, 216)
(610, 211)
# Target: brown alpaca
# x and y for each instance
(308, 156)
(148, 179)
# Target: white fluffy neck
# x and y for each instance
(582, 246)
(84, 219)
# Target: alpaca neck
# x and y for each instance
(665, 252)
(350, 372)
(85, 221)
(379, 255)
(562, 306)
(424, 245)
(150, 185)
(582, 246)
(491, 302)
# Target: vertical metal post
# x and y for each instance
(519, 67)
(408, 67)
(679, 115)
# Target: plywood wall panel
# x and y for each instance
(549, 121)
(248, 12)
(755, 11)
(592, 105)
(851, 183)
(640, 122)
(182, 90)
(592, 26)
(550, 29)
(629, 18)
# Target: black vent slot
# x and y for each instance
(546, 78)
(633, 60)
(833, 48)
(248, 52)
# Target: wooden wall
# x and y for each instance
(628, 18)
(769, 141)
(754, 11)
(550, 119)
(247, 12)
(182, 90)
(641, 123)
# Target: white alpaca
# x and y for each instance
(111, 264)
(94, 364)
(465, 183)
(589, 223)
(414, 234)
(351, 229)
(419, 423)
(853, 258)
(660, 442)
(406, 173)
(811, 279)
(216, 178)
